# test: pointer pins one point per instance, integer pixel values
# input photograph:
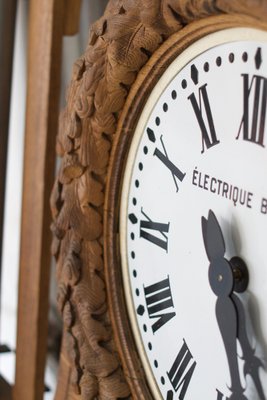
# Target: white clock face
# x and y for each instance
(200, 145)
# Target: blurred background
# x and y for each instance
(73, 47)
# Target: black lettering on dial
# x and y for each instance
(204, 116)
(254, 109)
(159, 236)
(158, 299)
(182, 370)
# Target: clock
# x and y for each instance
(160, 205)
(193, 220)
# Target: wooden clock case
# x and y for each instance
(129, 48)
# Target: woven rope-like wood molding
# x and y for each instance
(120, 44)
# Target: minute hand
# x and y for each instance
(222, 282)
(252, 363)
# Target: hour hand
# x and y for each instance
(220, 272)
(222, 282)
(213, 237)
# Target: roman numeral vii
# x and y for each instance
(254, 109)
(181, 372)
(204, 117)
(159, 299)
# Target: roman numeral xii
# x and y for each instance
(253, 122)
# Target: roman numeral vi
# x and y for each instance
(158, 299)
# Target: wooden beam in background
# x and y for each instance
(48, 21)
(44, 68)
(7, 33)
(72, 17)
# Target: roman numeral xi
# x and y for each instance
(204, 117)
(158, 300)
(254, 109)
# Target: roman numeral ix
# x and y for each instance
(181, 372)
(159, 299)
(159, 236)
(204, 117)
(254, 109)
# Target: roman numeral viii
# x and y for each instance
(254, 109)
(159, 299)
(160, 230)
(181, 372)
(204, 116)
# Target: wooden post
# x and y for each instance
(7, 30)
(46, 24)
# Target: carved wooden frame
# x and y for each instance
(129, 49)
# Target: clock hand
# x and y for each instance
(252, 363)
(222, 282)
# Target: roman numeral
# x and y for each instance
(203, 113)
(147, 225)
(177, 174)
(220, 396)
(254, 109)
(182, 371)
(158, 299)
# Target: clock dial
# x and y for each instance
(201, 145)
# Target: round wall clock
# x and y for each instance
(193, 200)
(160, 206)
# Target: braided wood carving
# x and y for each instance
(120, 44)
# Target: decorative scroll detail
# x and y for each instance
(120, 44)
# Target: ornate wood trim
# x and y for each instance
(100, 110)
